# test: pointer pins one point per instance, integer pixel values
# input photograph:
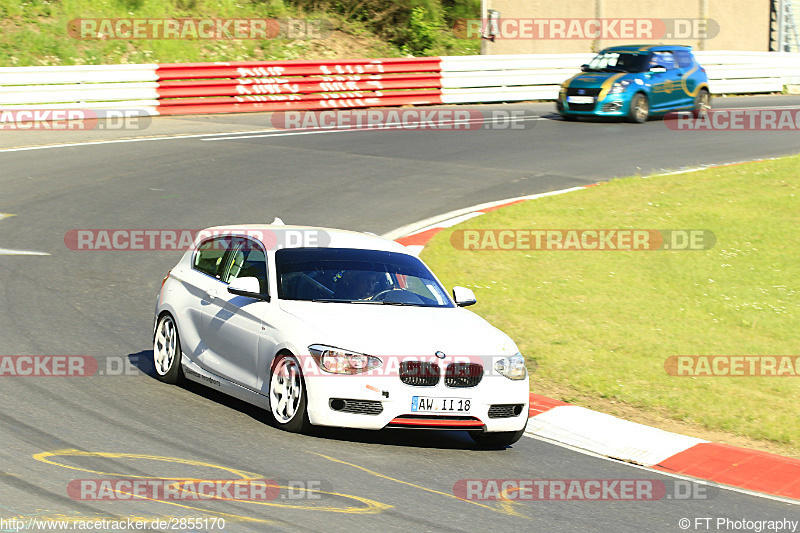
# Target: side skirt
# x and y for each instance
(193, 372)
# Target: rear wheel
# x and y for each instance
(287, 395)
(500, 439)
(702, 103)
(640, 109)
(167, 351)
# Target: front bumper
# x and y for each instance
(325, 393)
(613, 105)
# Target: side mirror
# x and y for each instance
(463, 296)
(584, 67)
(249, 287)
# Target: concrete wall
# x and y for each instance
(794, 45)
(732, 24)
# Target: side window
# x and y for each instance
(210, 255)
(684, 58)
(664, 59)
(247, 260)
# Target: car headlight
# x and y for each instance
(619, 87)
(512, 367)
(338, 361)
(562, 92)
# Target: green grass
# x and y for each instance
(603, 323)
(34, 32)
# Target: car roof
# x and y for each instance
(325, 237)
(646, 48)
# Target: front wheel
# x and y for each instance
(167, 351)
(640, 109)
(287, 395)
(702, 103)
(501, 439)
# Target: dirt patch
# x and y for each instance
(341, 45)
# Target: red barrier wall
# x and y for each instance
(187, 88)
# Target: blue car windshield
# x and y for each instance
(349, 275)
(619, 62)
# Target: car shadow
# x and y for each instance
(590, 119)
(415, 438)
(143, 361)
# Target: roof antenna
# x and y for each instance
(277, 222)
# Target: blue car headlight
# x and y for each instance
(619, 87)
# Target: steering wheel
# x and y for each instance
(385, 291)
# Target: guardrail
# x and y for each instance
(538, 77)
(193, 88)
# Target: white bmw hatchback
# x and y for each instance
(336, 328)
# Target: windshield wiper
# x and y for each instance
(338, 301)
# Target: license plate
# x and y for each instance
(580, 99)
(425, 404)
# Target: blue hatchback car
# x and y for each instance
(636, 82)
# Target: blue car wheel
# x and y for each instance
(640, 108)
(702, 103)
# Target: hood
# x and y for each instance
(596, 80)
(376, 329)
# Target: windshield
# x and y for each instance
(618, 62)
(356, 276)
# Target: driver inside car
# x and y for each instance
(360, 285)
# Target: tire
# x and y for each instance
(287, 395)
(702, 103)
(497, 440)
(640, 109)
(167, 351)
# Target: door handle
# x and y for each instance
(211, 293)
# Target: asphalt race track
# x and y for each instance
(100, 304)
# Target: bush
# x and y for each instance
(422, 35)
(416, 27)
